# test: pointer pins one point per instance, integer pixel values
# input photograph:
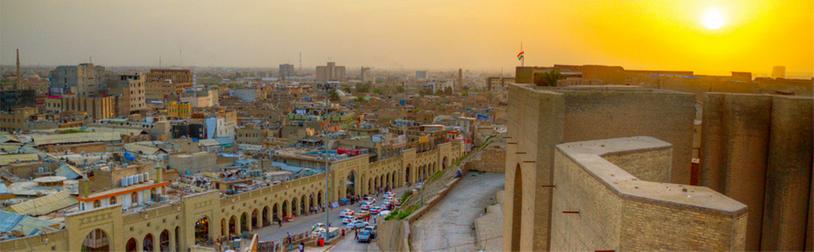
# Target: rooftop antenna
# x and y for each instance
(300, 60)
(90, 59)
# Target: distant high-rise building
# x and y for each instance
(459, 83)
(420, 75)
(779, 72)
(286, 70)
(364, 75)
(82, 79)
(330, 72)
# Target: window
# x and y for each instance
(113, 200)
(134, 198)
(97, 204)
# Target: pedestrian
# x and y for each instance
(355, 234)
(301, 247)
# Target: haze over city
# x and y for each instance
(418, 125)
(483, 35)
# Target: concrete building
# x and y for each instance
(542, 117)
(286, 71)
(16, 119)
(200, 98)
(779, 72)
(197, 219)
(330, 72)
(166, 83)
(82, 79)
(365, 75)
(757, 149)
(96, 108)
(130, 90)
(614, 194)
(421, 75)
(179, 110)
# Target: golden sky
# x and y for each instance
(415, 34)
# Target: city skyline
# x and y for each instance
(414, 35)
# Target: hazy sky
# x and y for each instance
(414, 34)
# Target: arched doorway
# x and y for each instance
(517, 207)
(244, 222)
(96, 241)
(275, 213)
(255, 219)
(444, 163)
(370, 186)
(164, 241)
(233, 225)
(350, 184)
(407, 177)
(202, 230)
(285, 209)
(177, 238)
(311, 199)
(320, 198)
(266, 213)
(147, 246)
(131, 245)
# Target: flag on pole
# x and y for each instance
(521, 55)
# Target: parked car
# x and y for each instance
(365, 207)
(370, 200)
(360, 224)
(365, 236)
(346, 212)
(375, 210)
(347, 220)
(372, 231)
(384, 213)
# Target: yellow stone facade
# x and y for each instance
(173, 226)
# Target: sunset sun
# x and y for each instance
(712, 19)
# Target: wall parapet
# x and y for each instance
(599, 205)
(590, 156)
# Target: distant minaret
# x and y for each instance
(19, 76)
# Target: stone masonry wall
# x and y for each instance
(599, 206)
(757, 149)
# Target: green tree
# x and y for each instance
(550, 78)
(334, 96)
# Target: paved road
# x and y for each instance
(304, 223)
(350, 244)
(449, 225)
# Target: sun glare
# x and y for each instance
(712, 19)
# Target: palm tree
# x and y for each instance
(550, 78)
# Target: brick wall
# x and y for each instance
(599, 206)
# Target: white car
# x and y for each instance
(346, 212)
(370, 200)
(384, 213)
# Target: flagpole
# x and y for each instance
(522, 60)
